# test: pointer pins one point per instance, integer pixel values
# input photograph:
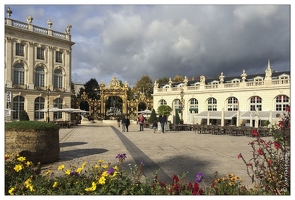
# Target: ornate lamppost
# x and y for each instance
(182, 103)
(48, 92)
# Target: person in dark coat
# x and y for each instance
(124, 124)
(127, 122)
(163, 121)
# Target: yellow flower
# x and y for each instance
(95, 166)
(47, 172)
(231, 183)
(21, 159)
(17, 168)
(233, 178)
(61, 167)
(28, 163)
(238, 178)
(116, 168)
(92, 188)
(67, 172)
(84, 164)
(79, 170)
(102, 180)
(55, 184)
(105, 166)
(10, 191)
(100, 161)
(31, 188)
(115, 173)
(105, 173)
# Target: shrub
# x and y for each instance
(24, 116)
(269, 168)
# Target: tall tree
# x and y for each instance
(163, 81)
(91, 87)
(177, 78)
(144, 85)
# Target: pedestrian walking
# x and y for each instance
(155, 126)
(127, 122)
(163, 121)
(141, 122)
(123, 124)
(118, 120)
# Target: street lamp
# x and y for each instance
(182, 103)
(48, 92)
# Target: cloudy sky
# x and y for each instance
(160, 40)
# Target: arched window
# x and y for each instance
(232, 104)
(255, 102)
(163, 102)
(57, 104)
(212, 104)
(57, 78)
(177, 105)
(39, 77)
(282, 101)
(39, 105)
(18, 106)
(193, 105)
(19, 74)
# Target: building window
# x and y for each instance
(282, 101)
(232, 104)
(193, 105)
(39, 105)
(163, 102)
(255, 102)
(40, 53)
(258, 81)
(18, 106)
(57, 78)
(19, 74)
(58, 56)
(20, 49)
(57, 104)
(177, 105)
(39, 77)
(212, 104)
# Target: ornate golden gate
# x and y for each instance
(97, 108)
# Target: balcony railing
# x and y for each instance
(37, 29)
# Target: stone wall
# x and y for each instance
(41, 146)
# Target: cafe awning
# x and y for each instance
(262, 115)
(216, 114)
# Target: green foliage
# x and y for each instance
(163, 81)
(30, 125)
(269, 167)
(22, 177)
(24, 116)
(91, 88)
(164, 110)
(153, 116)
(144, 85)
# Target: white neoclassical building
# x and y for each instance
(37, 69)
(245, 100)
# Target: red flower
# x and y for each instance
(261, 141)
(260, 151)
(249, 164)
(269, 161)
(277, 145)
(288, 109)
(239, 156)
(254, 133)
(197, 190)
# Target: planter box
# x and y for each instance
(36, 146)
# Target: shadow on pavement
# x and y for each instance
(68, 144)
(74, 154)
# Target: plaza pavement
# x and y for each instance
(173, 152)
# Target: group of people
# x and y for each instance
(126, 122)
